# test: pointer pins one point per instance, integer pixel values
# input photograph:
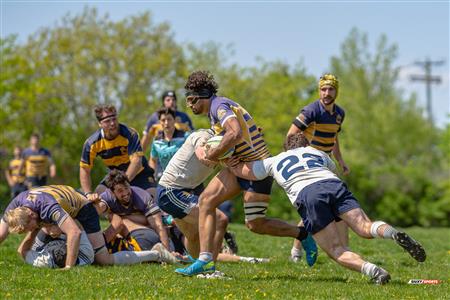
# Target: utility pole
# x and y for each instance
(429, 79)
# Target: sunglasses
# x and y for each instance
(192, 100)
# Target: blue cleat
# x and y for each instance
(198, 267)
(310, 249)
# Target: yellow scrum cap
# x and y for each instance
(329, 79)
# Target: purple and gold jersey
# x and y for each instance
(321, 127)
(140, 203)
(252, 145)
(53, 203)
(37, 162)
(115, 153)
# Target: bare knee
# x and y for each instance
(222, 221)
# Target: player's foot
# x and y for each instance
(230, 238)
(411, 246)
(198, 267)
(310, 247)
(257, 260)
(164, 254)
(381, 276)
(295, 258)
(296, 255)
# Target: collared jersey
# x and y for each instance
(115, 153)
(296, 169)
(140, 203)
(17, 174)
(164, 150)
(36, 162)
(321, 126)
(252, 145)
(53, 203)
(182, 122)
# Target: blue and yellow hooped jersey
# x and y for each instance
(37, 162)
(115, 153)
(320, 126)
(252, 145)
(17, 174)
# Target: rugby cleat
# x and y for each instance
(164, 254)
(295, 258)
(257, 260)
(198, 267)
(310, 247)
(381, 276)
(411, 246)
(230, 238)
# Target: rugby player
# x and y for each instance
(320, 197)
(235, 124)
(320, 122)
(15, 174)
(153, 126)
(61, 205)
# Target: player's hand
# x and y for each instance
(93, 197)
(344, 167)
(66, 268)
(200, 152)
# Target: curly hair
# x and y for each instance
(116, 177)
(201, 80)
(295, 140)
(99, 109)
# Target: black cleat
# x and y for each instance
(230, 238)
(381, 276)
(411, 246)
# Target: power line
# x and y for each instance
(429, 79)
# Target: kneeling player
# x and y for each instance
(320, 198)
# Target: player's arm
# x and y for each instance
(155, 222)
(3, 230)
(85, 179)
(27, 243)
(73, 234)
(337, 154)
(145, 141)
(52, 168)
(115, 226)
(153, 162)
(299, 124)
(250, 170)
(134, 167)
(233, 133)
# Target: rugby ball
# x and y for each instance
(215, 141)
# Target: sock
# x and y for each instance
(205, 256)
(388, 233)
(369, 269)
(295, 252)
(302, 233)
(135, 257)
(246, 259)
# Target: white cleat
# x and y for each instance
(165, 255)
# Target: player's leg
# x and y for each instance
(328, 239)
(364, 227)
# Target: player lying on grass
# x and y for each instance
(49, 249)
(320, 197)
(60, 205)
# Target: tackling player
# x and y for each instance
(320, 197)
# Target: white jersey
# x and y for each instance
(184, 170)
(297, 168)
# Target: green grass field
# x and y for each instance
(279, 279)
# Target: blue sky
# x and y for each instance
(292, 31)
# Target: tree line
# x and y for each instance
(50, 84)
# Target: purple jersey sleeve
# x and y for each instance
(143, 202)
(221, 111)
(50, 211)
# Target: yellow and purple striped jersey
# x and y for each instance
(319, 126)
(17, 174)
(37, 162)
(252, 145)
(115, 153)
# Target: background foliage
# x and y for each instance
(49, 85)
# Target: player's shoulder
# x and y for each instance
(340, 110)
(139, 193)
(312, 107)
(95, 137)
(127, 132)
